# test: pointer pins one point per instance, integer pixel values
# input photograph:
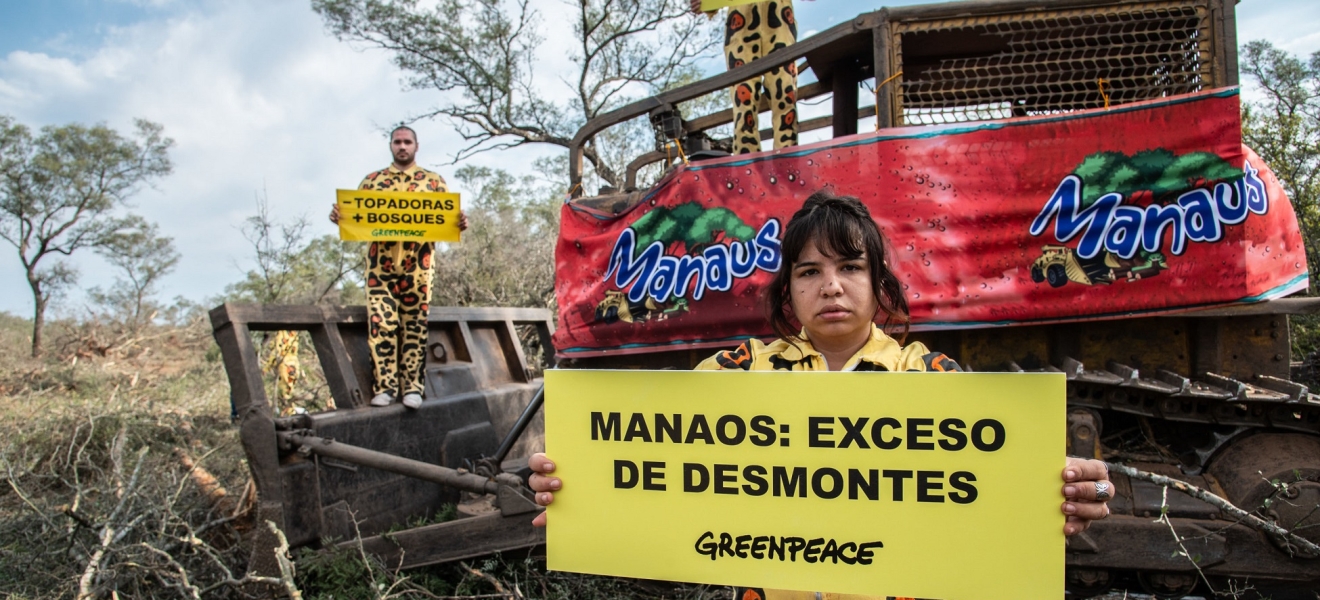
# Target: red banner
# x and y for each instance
(1143, 208)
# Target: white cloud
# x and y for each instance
(29, 76)
(256, 96)
(1288, 24)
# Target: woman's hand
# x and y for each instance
(1086, 491)
(542, 483)
(334, 213)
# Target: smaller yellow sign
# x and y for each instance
(711, 5)
(377, 216)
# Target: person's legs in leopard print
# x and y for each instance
(781, 83)
(751, 32)
(414, 295)
(383, 321)
(741, 46)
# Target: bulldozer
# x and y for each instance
(1193, 385)
(1161, 376)
(1059, 264)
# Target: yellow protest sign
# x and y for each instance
(711, 5)
(374, 216)
(932, 485)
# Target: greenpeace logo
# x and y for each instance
(397, 232)
(1198, 215)
(652, 272)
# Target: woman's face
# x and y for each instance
(832, 296)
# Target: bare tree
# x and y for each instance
(61, 191)
(143, 256)
(288, 267)
(490, 54)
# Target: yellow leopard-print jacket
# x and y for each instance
(881, 353)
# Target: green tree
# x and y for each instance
(62, 190)
(1157, 172)
(507, 255)
(143, 257)
(1283, 127)
(486, 58)
(690, 224)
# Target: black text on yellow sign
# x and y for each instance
(930, 485)
(374, 216)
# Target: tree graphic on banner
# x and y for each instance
(689, 227)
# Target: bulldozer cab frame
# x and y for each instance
(960, 62)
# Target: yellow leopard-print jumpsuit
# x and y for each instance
(282, 360)
(398, 292)
(751, 32)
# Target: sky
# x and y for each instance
(261, 101)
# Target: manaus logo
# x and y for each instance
(687, 250)
(1122, 207)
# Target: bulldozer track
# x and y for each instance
(1211, 399)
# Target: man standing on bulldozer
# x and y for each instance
(399, 283)
(751, 31)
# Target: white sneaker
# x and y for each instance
(382, 399)
(412, 400)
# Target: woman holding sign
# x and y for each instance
(836, 286)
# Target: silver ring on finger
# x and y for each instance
(1102, 492)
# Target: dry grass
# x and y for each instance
(96, 497)
(121, 476)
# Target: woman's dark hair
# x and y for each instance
(840, 226)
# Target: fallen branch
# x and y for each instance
(247, 502)
(1177, 539)
(72, 513)
(476, 597)
(499, 587)
(184, 585)
(216, 494)
(110, 534)
(286, 565)
(1242, 516)
(28, 502)
(117, 460)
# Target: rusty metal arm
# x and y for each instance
(630, 178)
(511, 496)
(262, 317)
(524, 419)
